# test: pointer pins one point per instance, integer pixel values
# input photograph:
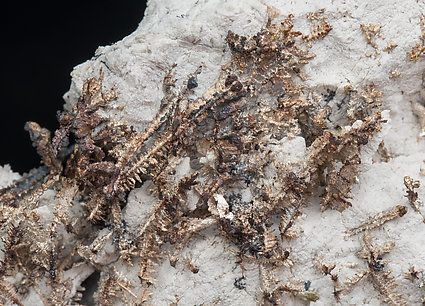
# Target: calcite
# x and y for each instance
(221, 154)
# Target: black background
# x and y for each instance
(43, 41)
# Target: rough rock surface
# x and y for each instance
(191, 34)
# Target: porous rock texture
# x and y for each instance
(208, 268)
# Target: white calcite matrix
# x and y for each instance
(192, 33)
